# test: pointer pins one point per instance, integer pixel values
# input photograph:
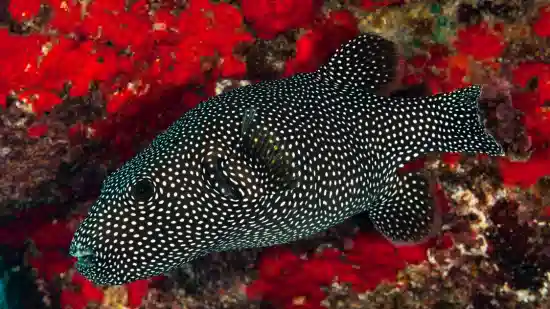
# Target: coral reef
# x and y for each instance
(88, 83)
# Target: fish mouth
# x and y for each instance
(85, 256)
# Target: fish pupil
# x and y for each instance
(143, 190)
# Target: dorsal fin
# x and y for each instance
(369, 61)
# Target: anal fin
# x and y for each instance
(408, 213)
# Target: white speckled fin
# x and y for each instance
(448, 122)
(261, 165)
(268, 151)
(409, 215)
(369, 61)
(461, 125)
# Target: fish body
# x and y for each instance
(277, 161)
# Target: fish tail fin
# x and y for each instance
(461, 124)
(447, 122)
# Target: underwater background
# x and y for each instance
(85, 85)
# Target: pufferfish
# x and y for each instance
(277, 161)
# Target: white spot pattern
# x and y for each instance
(195, 190)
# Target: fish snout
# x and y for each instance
(83, 253)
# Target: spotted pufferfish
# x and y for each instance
(277, 161)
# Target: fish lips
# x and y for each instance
(85, 256)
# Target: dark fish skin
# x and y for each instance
(277, 161)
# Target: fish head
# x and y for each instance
(186, 195)
(153, 214)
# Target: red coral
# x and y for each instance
(37, 130)
(371, 260)
(544, 89)
(438, 56)
(50, 263)
(537, 125)
(536, 121)
(280, 267)
(118, 99)
(136, 291)
(56, 234)
(231, 67)
(172, 49)
(65, 15)
(86, 292)
(480, 41)
(24, 224)
(18, 60)
(305, 59)
(202, 38)
(50, 238)
(525, 174)
(111, 6)
(122, 32)
(22, 10)
(41, 100)
(52, 241)
(535, 118)
(285, 277)
(270, 17)
(72, 299)
(525, 72)
(156, 110)
(87, 288)
(451, 158)
(316, 45)
(438, 69)
(77, 64)
(418, 61)
(542, 26)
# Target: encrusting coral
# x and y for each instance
(76, 79)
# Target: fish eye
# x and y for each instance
(143, 190)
